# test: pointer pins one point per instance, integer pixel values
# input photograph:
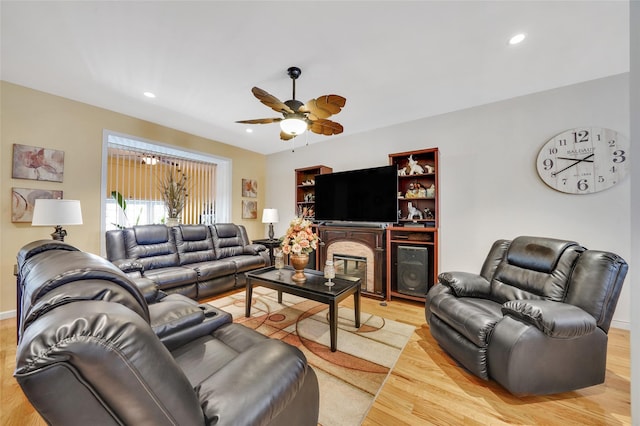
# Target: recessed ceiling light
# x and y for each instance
(518, 38)
(249, 130)
(149, 95)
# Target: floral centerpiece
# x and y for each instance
(298, 242)
(299, 238)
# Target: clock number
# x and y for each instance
(612, 143)
(562, 142)
(600, 179)
(564, 181)
(583, 185)
(581, 136)
(548, 164)
(619, 156)
(553, 150)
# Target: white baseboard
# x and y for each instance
(7, 314)
(625, 325)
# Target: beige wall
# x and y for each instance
(35, 118)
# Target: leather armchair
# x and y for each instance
(536, 317)
(91, 351)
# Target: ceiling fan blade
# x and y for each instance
(325, 106)
(260, 121)
(271, 101)
(325, 127)
(286, 136)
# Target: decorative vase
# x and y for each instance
(173, 221)
(299, 261)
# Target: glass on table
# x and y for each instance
(278, 262)
(329, 273)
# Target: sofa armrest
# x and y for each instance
(254, 248)
(465, 284)
(555, 319)
(178, 320)
(234, 396)
(129, 265)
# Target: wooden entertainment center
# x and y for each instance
(400, 260)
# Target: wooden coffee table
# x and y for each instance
(312, 289)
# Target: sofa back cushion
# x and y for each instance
(59, 277)
(194, 243)
(228, 240)
(153, 245)
(535, 268)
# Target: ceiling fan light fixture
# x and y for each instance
(293, 126)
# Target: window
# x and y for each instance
(133, 169)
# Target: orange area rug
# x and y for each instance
(349, 378)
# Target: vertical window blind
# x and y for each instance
(134, 195)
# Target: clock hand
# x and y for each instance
(571, 165)
(575, 159)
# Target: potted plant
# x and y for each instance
(174, 191)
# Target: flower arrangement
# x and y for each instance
(299, 237)
(173, 188)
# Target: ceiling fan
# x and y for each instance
(299, 117)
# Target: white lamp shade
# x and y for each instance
(293, 126)
(47, 212)
(270, 216)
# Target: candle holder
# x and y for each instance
(278, 262)
(329, 273)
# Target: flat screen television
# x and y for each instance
(365, 195)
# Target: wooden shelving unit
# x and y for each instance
(412, 245)
(305, 190)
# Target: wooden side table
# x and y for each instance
(270, 244)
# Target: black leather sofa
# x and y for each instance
(197, 261)
(88, 354)
(536, 317)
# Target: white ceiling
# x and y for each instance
(394, 61)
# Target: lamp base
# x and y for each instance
(59, 233)
(271, 231)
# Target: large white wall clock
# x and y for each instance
(584, 160)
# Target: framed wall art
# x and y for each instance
(249, 188)
(35, 163)
(23, 200)
(249, 209)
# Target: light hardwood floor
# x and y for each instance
(426, 387)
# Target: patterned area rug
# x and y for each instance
(349, 378)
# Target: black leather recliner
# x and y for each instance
(535, 319)
(88, 354)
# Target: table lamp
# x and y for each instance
(48, 212)
(270, 216)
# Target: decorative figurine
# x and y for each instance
(413, 212)
(431, 191)
(421, 192)
(429, 168)
(414, 167)
(411, 192)
(428, 214)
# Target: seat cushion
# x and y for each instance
(471, 317)
(214, 269)
(170, 277)
(246, 263)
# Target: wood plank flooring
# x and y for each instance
(426, 387)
